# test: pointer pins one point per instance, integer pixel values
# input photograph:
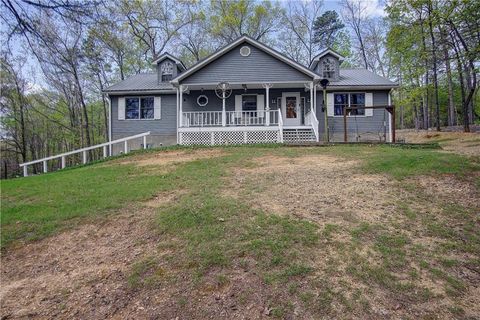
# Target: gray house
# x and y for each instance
(247, 92)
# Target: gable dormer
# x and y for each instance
(168, 67)
(327, 64)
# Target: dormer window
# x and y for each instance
(328, 68)
(167, 71)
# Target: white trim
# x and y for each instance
(237, 128)
(324, 53)
(245, 54)
(298, 119)
(254, 43)
(168, 55)
(135, 92)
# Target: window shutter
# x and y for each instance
(368, 103)
(157, 107)
(121, 108)
(238, 103)
(330, 104)
(260, 104)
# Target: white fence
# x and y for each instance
(106, 151)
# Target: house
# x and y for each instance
(247, 92)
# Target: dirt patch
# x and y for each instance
(173, 157)
(457, 142)
(163, 199)
(77, 274)
(324, 189)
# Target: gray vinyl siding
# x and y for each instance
(166, 126)
(215, 104)
(235, 68)
(373, 125)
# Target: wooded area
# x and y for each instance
(57, 56)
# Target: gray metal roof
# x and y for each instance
(140, 82)
(361, 78)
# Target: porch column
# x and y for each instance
(315, 99)
(180, 105)
(390, 129)
(311, 97)
(224, 112)
(267, 87)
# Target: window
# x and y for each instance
(249, 102)
(139, 108)
(245, 51)
(202, 100)
(342, 100)
(328, 68)
(167, 71)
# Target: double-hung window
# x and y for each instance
(344, 100)
(139, 108)
(328, 68)
(167, 71)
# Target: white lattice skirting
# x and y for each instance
(228, 137)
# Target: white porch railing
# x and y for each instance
(105, 146)
(311, 119)
(202, 119)
(233, 118)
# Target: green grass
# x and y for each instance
(210, 231)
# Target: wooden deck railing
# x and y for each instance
(106, 150)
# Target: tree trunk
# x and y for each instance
(434, 56)
(451, 102)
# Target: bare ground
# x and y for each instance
(453, 141)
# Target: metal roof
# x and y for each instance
(140, 82)
(361, 78)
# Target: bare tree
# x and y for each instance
(354, 15)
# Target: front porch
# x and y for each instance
(252, 113)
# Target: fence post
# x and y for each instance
(84, 157)
(104, 151)
(64, 163)
(25, 171)
(45, 167)
(125, 147)
(144, 142)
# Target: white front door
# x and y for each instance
(291, 108)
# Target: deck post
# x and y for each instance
(64, 162)
(25, 171)
(144, 142)
(315, 99)
(311, 96)
(267, 87)
(84, 157)
(180, 104)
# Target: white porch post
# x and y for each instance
(267, 87)
(224, 113)
(311, 97)
(315, 99)
(181, 105)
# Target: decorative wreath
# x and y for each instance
(202, 100)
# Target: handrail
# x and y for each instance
(84, 150)
(314, 123)
(280, 125)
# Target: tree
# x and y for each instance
(326, 27)
(232, 19)
(354, 14)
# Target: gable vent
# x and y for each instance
(245, 51)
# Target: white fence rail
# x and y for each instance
(232, 118)
(106, 146)
(311, 119)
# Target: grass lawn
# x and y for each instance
(418, 252)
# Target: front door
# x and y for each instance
(291, 108)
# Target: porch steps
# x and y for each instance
(297, 135)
